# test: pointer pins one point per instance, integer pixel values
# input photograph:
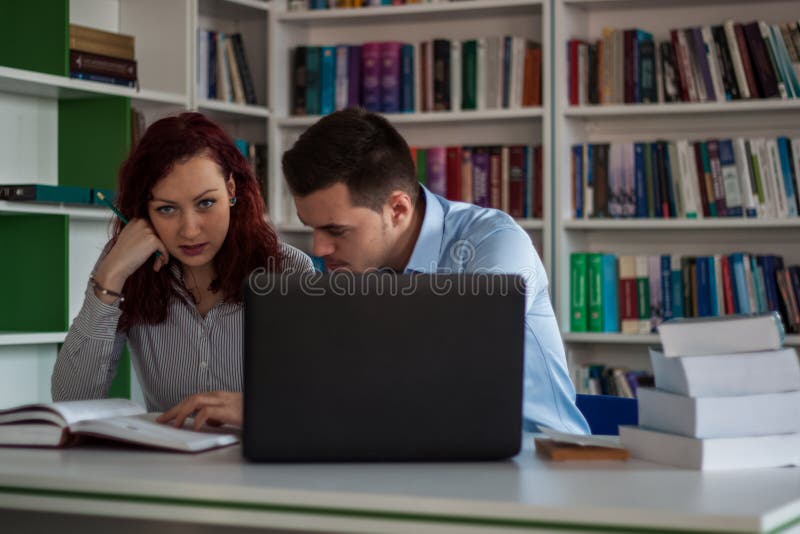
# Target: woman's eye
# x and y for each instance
(207, 203)
(165, 210)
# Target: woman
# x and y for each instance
(169, 282)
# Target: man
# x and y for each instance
(354, 183)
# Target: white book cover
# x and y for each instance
(721, 335)
(689, 185)
(481, 76)
(588, 188)
(713, 64)
(783, 61)
(720, 417)
(61, 424)
(719, 375)
(716, 454)
(749, 203)
(759, 147)
(455, 75)
(779, 189)
(677, 178)
(628, 181)
(517, 72)
(342, 77)
(494, 64)
(224, 90)
(736, 58)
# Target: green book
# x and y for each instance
(579, 306)
(313, 89)
(469, 74)
(643, 294)
(46, 193)
(422, 165)
(595, 290)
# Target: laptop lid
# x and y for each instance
(350, 367)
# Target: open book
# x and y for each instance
(61, 424)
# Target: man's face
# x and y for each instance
(347, 237)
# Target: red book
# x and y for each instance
(681, 63)
(628, 301)
(538, 195)
(495, 178)
(574, 74)
(727, 287)
(516, 185)
(454, 179)
(102, 65)
(747, 64)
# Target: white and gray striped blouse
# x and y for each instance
(184, 355)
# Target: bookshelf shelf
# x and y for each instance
(43, 338)
(411, 11)
(230, 110)
(682, 108)
(74, 212)
(29, 83)
(680, 224)
(637, 339)
(441, 117)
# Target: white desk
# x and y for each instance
(219, 488)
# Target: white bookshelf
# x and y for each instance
(585, 19)
(413, 23)
(8, 339)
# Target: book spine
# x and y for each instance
(371, 58)
(299, 77)
(737, 60)
(313, 65)
(753, 84)
(454, 179)
(766, 76)
(579, 304)
(716, 176)
(469, 69)
(407, 78)
(236, 80)
(610, 291)
(390, 77)
(101, 48)
(103, 65)
(342, 83)
(103, 79)
(643, 294)
(212, 65)
(437, 170)
(628, 302)
(730, 178)
(517, 182)
(327, 82)
(495, 178)
(354, 79)
(676, 284)
(441, 75)
(244, 70)
(480, 160)
(595, 292)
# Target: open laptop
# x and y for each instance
(383, 367)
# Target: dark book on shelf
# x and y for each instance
(441, 75)
(648, 91)
(762, 64)
(299, 81)
(371, 76)
(87, 63)
(102, 79)
(354, 83)
(722, 53)
(313, 95)
(244, 69)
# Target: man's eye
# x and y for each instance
(165, 210)
(206, 203)
(336, 233)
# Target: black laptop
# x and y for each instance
(383, 367)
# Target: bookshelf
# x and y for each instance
(412, 24)
(585, 19)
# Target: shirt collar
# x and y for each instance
(425, 258)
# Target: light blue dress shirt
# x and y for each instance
(458, 237)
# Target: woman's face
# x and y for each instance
(190, 210)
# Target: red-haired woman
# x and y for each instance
(169, 282)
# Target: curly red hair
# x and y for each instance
(251, 241)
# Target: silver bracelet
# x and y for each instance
(105, 291)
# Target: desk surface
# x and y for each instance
(218, 487)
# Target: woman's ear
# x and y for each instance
(230, 185)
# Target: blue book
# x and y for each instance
(640, 186)
(667, 294)
(644, 67)
(577, 164)
(407, 78)
(243, 147)
(703, 289)
(610, 299)
(212, 65)
(786, 171)
(676, 284)
(327, 82)
(712, 285)
(769, 266)
(103, 79)
(312, 80)
(758, 285)
(588, 206)
(740, 296)
(656, 161)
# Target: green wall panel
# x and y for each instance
(94, 136)
(34, 273)
(35, 35)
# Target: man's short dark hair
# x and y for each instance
(354, 147)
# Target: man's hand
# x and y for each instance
(215, 408)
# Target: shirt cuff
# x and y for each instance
(97, 319)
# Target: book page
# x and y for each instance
(581, 439)
(142, 429)
(74, 411)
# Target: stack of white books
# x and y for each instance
(727, 396)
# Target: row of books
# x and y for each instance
(728, 400)
(222, 69)
(55, 194)
(729, 61)
(256, 154)
(438, 75)
(635, 294)
(507, 178)
(102, 56)
(303, 5)
(740, 177)
(598, 379)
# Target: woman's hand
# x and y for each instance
(135, 244)
(215, 408)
